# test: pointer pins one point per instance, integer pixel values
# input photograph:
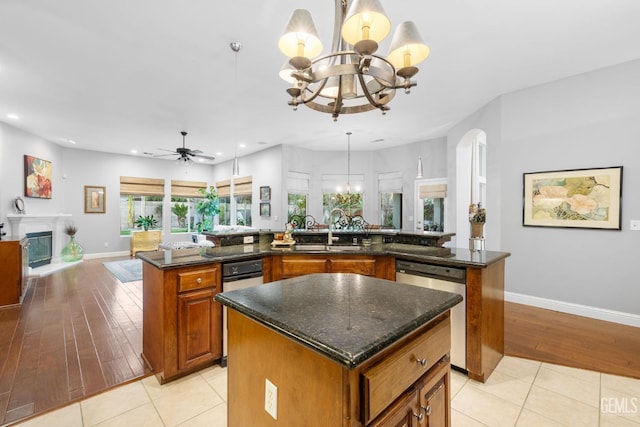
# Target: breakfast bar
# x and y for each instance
(337, 349)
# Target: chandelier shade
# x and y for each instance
(407, 47)
(365, 21)
(351, 78)
(300, 37)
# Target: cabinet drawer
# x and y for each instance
(394, 374)
(197, 279)
(364, 266)
(292, 267)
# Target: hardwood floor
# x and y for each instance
(79, 332)
(566, 339)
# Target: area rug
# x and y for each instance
(128, 270)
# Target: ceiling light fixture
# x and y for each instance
(235, 47)
(352, 78)
(13, 116)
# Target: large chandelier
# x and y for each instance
(352, 78)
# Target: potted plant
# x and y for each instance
(477, 218)
(207, 207)
(146, 222)
(181, 211)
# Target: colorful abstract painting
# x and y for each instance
(582, 198)
(37, 177)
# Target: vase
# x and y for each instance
(72, 251)
(477, 229)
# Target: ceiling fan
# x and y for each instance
(185, 154)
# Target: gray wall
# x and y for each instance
(590, 120)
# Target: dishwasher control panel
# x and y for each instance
(451, 274)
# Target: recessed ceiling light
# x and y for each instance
(134, 151)
(219, 153)
(375, 141)
(13, 116)
(242, 145)
(71, 141)
(262, 142)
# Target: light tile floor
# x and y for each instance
(519, 393)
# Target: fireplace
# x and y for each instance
(40, 245)
(23, 224)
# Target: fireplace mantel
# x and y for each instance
(21, 224)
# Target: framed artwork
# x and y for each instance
(94, 198)
(578, 198)
(37, 177)
(265, 194)
(265, 209)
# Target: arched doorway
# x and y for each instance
(471, 181)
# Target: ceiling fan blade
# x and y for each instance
(165, 155)
(170, 151)
(196, 151)
(202, 156)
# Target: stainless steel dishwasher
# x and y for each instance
(449, 279)
(237, 275)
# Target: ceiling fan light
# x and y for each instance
(407, 47)
(300, 37)
(365, 20)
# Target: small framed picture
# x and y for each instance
(94, 198)
(265, 209)
(265, 194)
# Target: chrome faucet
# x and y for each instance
(330, 238)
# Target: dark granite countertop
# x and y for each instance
(434, 255)
(346, 317)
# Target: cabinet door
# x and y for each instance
(356, 265)
(403, 412)
(300, 265)
(199, 328)
(434, 396)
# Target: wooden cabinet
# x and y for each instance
(384, 391)
(14, 258)
(182, 323)
(288, 266)
(424, 405)
(145, 241)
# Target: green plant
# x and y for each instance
(146, 222)
(181, 211)
(207, 208)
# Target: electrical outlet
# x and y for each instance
(248, 239)
(634, 225)
(271, 398)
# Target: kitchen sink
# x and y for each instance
(304, 247)
(344, 248)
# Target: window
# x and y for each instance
(140, 197)
(242, 191)
(431, 204)
(390, 209)
(297, 194)
(184, 197)
(343, 192)
(224, 202)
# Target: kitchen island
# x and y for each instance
(340, 349)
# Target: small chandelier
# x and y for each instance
(352, 78)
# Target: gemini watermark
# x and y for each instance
(619, 405)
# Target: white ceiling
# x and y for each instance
(116, 75)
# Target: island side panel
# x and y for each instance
(485, 319)
(257, 353)
(152, 317)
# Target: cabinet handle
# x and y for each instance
(421, 362)
(426, 409)
(199, 280)
(419, 416)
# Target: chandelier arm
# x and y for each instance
(367, 94)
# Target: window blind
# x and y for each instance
(242, 186)
(141, 186)
(187, 188)
(298, 181)
(224, 188)
(390, 182)
(437, 191)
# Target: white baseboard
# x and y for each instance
(106, 254)
(577, 309)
